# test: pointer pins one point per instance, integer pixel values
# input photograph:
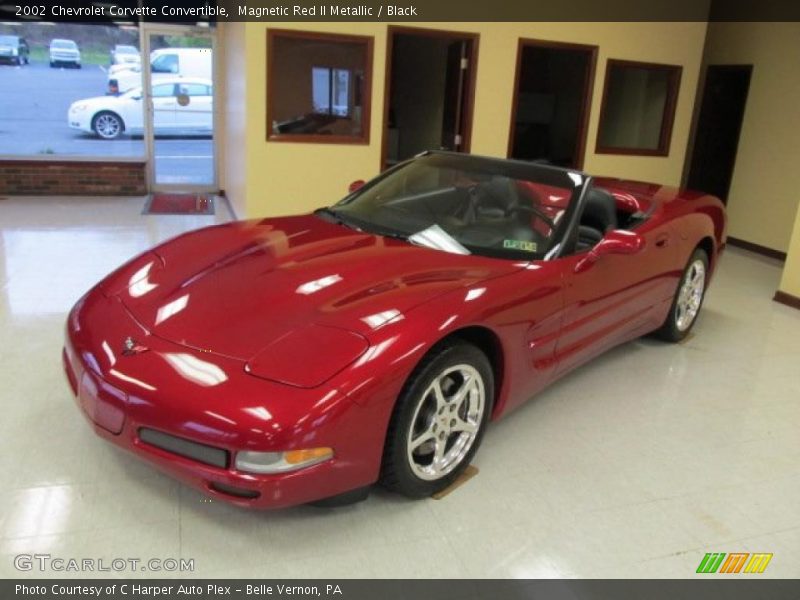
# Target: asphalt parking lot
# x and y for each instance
(34, 100)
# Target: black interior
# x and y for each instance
(481, 215)
(599, 217)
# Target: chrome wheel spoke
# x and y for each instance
(425, 436)
(464, 425)
(438, 456)
(438, 394)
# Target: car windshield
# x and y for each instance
(8, 40)
(63, 44)
(467, 204)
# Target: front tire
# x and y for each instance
(439, 420)
(108, 125)
(688, 299)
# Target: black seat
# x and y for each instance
(495, 214)
(599, 216)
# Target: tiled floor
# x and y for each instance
(634, 466)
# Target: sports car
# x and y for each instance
(302, 359)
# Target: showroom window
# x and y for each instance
(45, 68)
(318, 87)
(638, 108)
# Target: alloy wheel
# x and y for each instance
(107, 126)
(446, 422)
(690, 296)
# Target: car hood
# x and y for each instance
(237, 288)
(101, 101)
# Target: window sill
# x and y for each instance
(317, 139)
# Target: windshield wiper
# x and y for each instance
(359, 225)
(337, 217)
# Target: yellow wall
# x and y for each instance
(790, 282)
(284, 178)
(764, 195)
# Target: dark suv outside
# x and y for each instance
(14, 49)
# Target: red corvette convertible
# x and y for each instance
(289, 360)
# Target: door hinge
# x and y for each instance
(464, 64)
(457, 140)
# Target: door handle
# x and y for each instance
(662, 241)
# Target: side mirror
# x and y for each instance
(356, 185)
(617, 241)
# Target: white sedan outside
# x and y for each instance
(181, 106)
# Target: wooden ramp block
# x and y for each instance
(468, 474)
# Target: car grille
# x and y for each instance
(209, 455)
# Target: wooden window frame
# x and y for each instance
(667, 118)
(366, 99)
(588, 91)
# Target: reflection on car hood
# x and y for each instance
(233, 289)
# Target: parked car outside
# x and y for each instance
(181, 106)
(64, 53)
(122, 54)
(164, 63)
(14, 49)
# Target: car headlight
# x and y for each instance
(14, 52)
(281, 462)
(78, 107)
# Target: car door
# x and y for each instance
(193, 110)
(164, 105)
(615, 298)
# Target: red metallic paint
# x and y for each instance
(293, 333)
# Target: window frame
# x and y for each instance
(667, 118)
(366, 97)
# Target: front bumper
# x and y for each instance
(123, 395)
(65, 59)
(79, 120)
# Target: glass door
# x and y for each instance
(178, 87)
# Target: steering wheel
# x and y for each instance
(534, 211)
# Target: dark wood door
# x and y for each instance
(718, 128)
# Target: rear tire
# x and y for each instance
(439, 420)
(688, 299)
